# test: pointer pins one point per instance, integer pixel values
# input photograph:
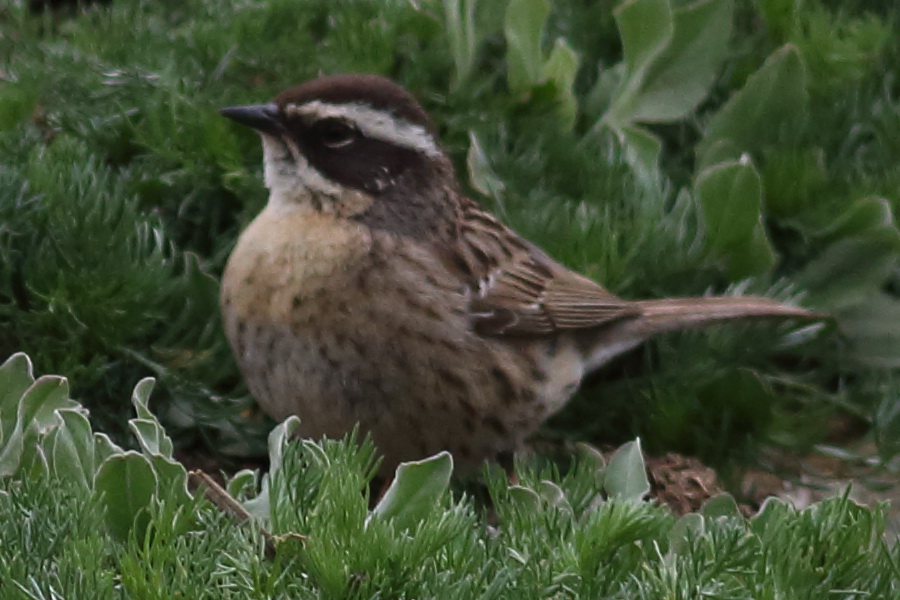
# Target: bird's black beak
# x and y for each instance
(264, 118)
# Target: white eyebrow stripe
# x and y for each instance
(373, 123)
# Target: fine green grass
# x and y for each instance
(83, 519)
(122, 191)
(615, 550)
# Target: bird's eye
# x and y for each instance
(335, 133)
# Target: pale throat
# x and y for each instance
(294, 184)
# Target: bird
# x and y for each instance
(371, 291)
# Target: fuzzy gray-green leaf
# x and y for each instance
(71, 448)
(125, 484)
(416, 490)
(720, 505)
(626, 475)
(15, 377)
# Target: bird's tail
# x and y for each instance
(659, 316)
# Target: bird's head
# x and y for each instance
(357, 145)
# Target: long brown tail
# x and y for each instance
(677, 313)
(660, 316)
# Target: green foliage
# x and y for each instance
(415, 490)
(664, 148)
(587, 533)
(730, 194)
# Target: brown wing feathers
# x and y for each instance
(519, 290)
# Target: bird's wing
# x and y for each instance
(516, 289)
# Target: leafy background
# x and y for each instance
(663, 148)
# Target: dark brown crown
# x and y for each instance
(372, 90)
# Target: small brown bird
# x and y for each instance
(370, 290)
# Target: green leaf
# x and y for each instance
(15, 377)
(642, 150)
(37, 409)
(140, 398)
(626, 475)
(260, 506)
(522, 26)
(720, 505)
(70, 449)
(149, 434)
(459, 19)
(35, 417)
(524, 499)
(772, 97)
(771, 513)
(730, 196)
(680, 76)
(146, 427)
(105, 447)
(872, 331)
(862, 215)
(481, 176)
(171, 475)
(242, 482)
(278, 437)
(851, 269)
(416, 490)
(686, 529)
(561, 69)
(554, 496)
(124, 486)
(600, 97)
(646, 27)
(721, 151)
(155, 443)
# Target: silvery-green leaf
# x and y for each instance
(720, 505)
(124, 486)
(70, 449)
(171, 473)
(105, 447)
(554, 496)
(35, 417)
(242, 481)
(140, 397)
(626, 475)
(15, 377)
(688, 527)
(524, 499)
(278, 437)
(773, 510)
(416, 490)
